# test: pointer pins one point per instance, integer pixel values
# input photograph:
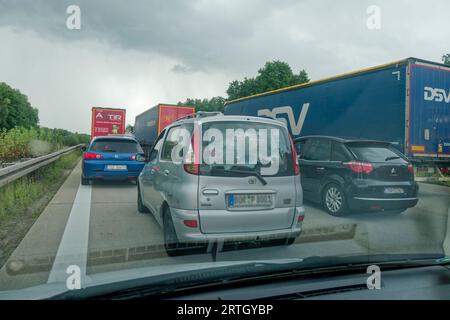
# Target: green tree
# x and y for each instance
(129, 129)
(209, 105)
(274, 75)
(446, 59)
(15, 109)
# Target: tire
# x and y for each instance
(140, 205)
(398, 211)
(334, 200)
(171, 244)
(85, 182)
(282, 242)
(290, 241)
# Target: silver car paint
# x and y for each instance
(163, 183)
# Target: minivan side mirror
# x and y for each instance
(83, 148)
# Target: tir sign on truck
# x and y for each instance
(406, 103)
(107, 121)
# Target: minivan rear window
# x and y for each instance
(244, 160)
(116, 145)
(375, 152)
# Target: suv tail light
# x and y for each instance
(91, 155)
(193, 166)
(410, 168)
(360, 167)
(294, 158)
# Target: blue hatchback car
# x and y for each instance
(114, 157)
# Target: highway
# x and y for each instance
(99, 229)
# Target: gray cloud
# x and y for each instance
(237, 35)
(138, 53)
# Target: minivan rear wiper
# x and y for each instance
(244, 172)
(392, 158)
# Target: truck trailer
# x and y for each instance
(149, 124)
(106, 121)
(405, 102)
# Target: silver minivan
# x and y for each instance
(234, 193)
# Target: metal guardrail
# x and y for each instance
(18, 170)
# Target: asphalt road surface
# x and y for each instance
(99, 229)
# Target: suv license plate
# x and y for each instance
(116, 167)
(250, 200)
(393, 190)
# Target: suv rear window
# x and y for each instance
(374, 152)
(116, 145)
(285, 166)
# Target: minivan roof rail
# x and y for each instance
(201, 114)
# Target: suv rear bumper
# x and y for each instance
(369, 195)
(188, 234)
(382, 203)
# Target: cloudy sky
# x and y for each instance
(136, 54)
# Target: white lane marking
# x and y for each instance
(73, 247)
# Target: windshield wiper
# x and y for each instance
(392, 158)
(240, 171)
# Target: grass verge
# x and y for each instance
(22, 201)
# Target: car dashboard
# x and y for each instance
(419, 283)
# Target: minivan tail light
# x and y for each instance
(193, 166)
(410, 168)
(359, 167)
(294, 158)
(190, 223)
(91, 155)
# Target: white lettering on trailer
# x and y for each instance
(435, 94)
(296, 127)
(114, 117)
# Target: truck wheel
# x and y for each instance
(140, 205)
(333, 200)
(171, 244)
(85, 182)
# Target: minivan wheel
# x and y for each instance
(140, 205)
(171, 244)
(334, 200)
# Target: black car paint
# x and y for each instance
(317, 174)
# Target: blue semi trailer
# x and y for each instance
(405, 102)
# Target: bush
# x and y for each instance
(20, 142)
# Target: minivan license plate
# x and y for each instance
(393, 190)
(250, 200)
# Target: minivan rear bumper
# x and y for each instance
(190, 235)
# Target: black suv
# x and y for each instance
(353, 174)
